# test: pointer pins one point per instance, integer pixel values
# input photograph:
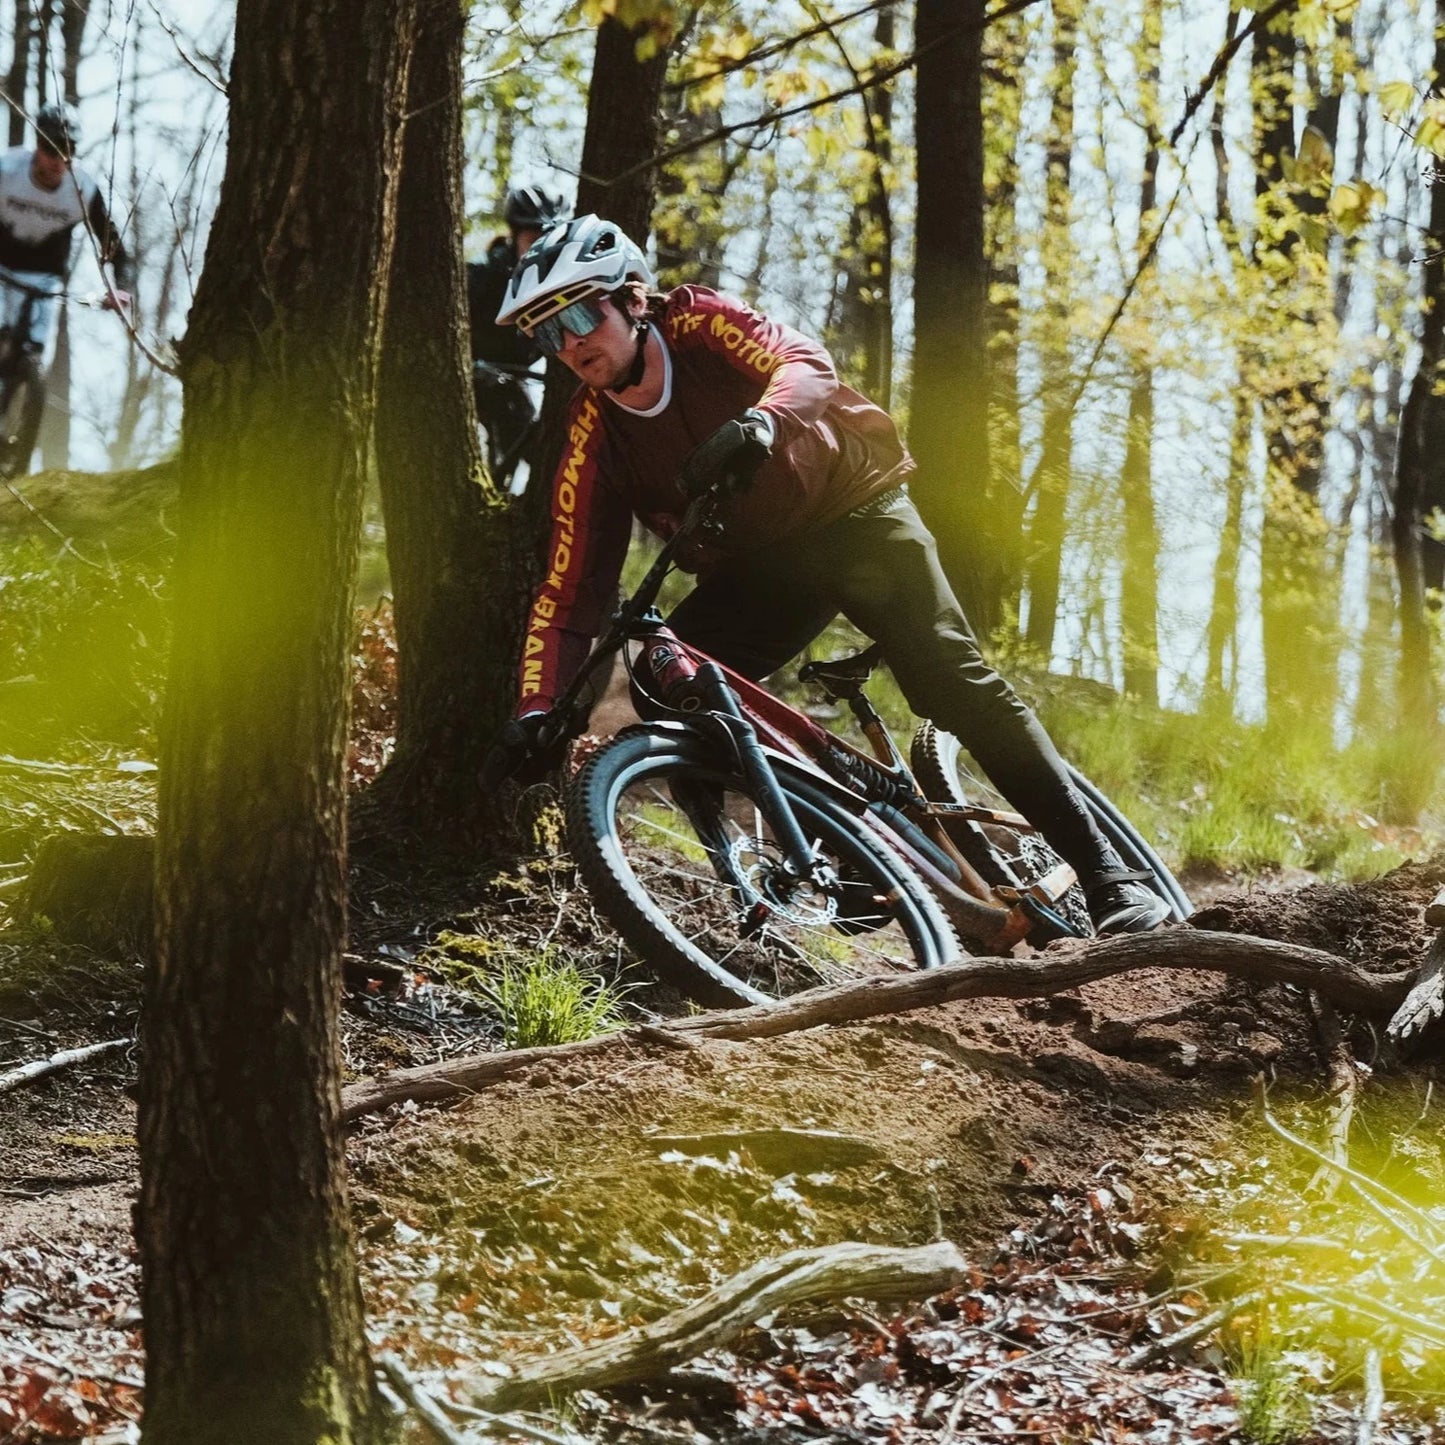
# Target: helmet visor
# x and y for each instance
(581, 318)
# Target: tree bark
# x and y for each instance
(1183, 948)
(948, 427)
(253, 1312)
(457, 582)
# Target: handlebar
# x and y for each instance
(96, 299)
(508, 370)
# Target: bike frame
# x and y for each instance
(770, 740)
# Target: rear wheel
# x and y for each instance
(22, 400)
(1005, 856)
(678, 856)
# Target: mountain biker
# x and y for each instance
(44, 196)
(503, 406)
(680, 389)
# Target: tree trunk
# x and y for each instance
(1223, 635)
(1048, 527)
(18, 76)
(948, 427)
(252, 1308)
(55, 429)
(1139, 583)
(1297, 631)
(866, 323)
(1416, 476)
(623, 111)
(454, 574)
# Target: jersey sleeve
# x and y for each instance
(796, 373)
(107, 237)
(591, 526)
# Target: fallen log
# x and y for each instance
(1426, 1000)
(1241, 955)
(838, 1271)
(28, 1073)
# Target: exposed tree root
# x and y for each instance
(1344, 1077)
(834, 1272)
(1258, 959)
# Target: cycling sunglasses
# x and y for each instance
(581, 318)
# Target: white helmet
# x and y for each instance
(567, 263)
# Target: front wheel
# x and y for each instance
(22, 401)
(680, 859)
(1008, 856)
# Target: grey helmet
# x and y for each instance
(58, 126)
(534, 208)
(568, 262)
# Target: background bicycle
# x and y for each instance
(509, 419)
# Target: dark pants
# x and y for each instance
(881, 571)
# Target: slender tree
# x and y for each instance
(1418, 485)
(1139, 581)
(55, 432)
(1297, 626)
(1048, 526)
(456, 576)
(865, 327)
(17, 78)
(252, 1306)
(948, 428)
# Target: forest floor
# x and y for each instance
(1097, 1155)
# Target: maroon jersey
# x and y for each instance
(833, 450)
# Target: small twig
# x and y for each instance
(28, 1073)
(425, 1407)
(1362, 1183)
(50, 526)
(1376, 1310)
(1145, 1354)
(1374, 1405)
(514, 1424)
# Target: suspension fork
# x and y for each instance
(799, 858)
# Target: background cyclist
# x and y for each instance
(504, 406)
(44, 196)
(697, 385)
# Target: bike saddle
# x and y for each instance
(843, 673)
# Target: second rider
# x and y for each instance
(693, 378)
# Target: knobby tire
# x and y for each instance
(661, 764)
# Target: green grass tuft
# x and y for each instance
(542, 997)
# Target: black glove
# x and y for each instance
(729, 459)
(527, 748)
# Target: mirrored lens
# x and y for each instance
(581, 318)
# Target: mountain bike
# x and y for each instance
(22, 377)
(743, 851)
(22, 382)
(510, 421)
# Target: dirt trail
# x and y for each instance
(566, 1203)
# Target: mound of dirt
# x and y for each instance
(587, 1195)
